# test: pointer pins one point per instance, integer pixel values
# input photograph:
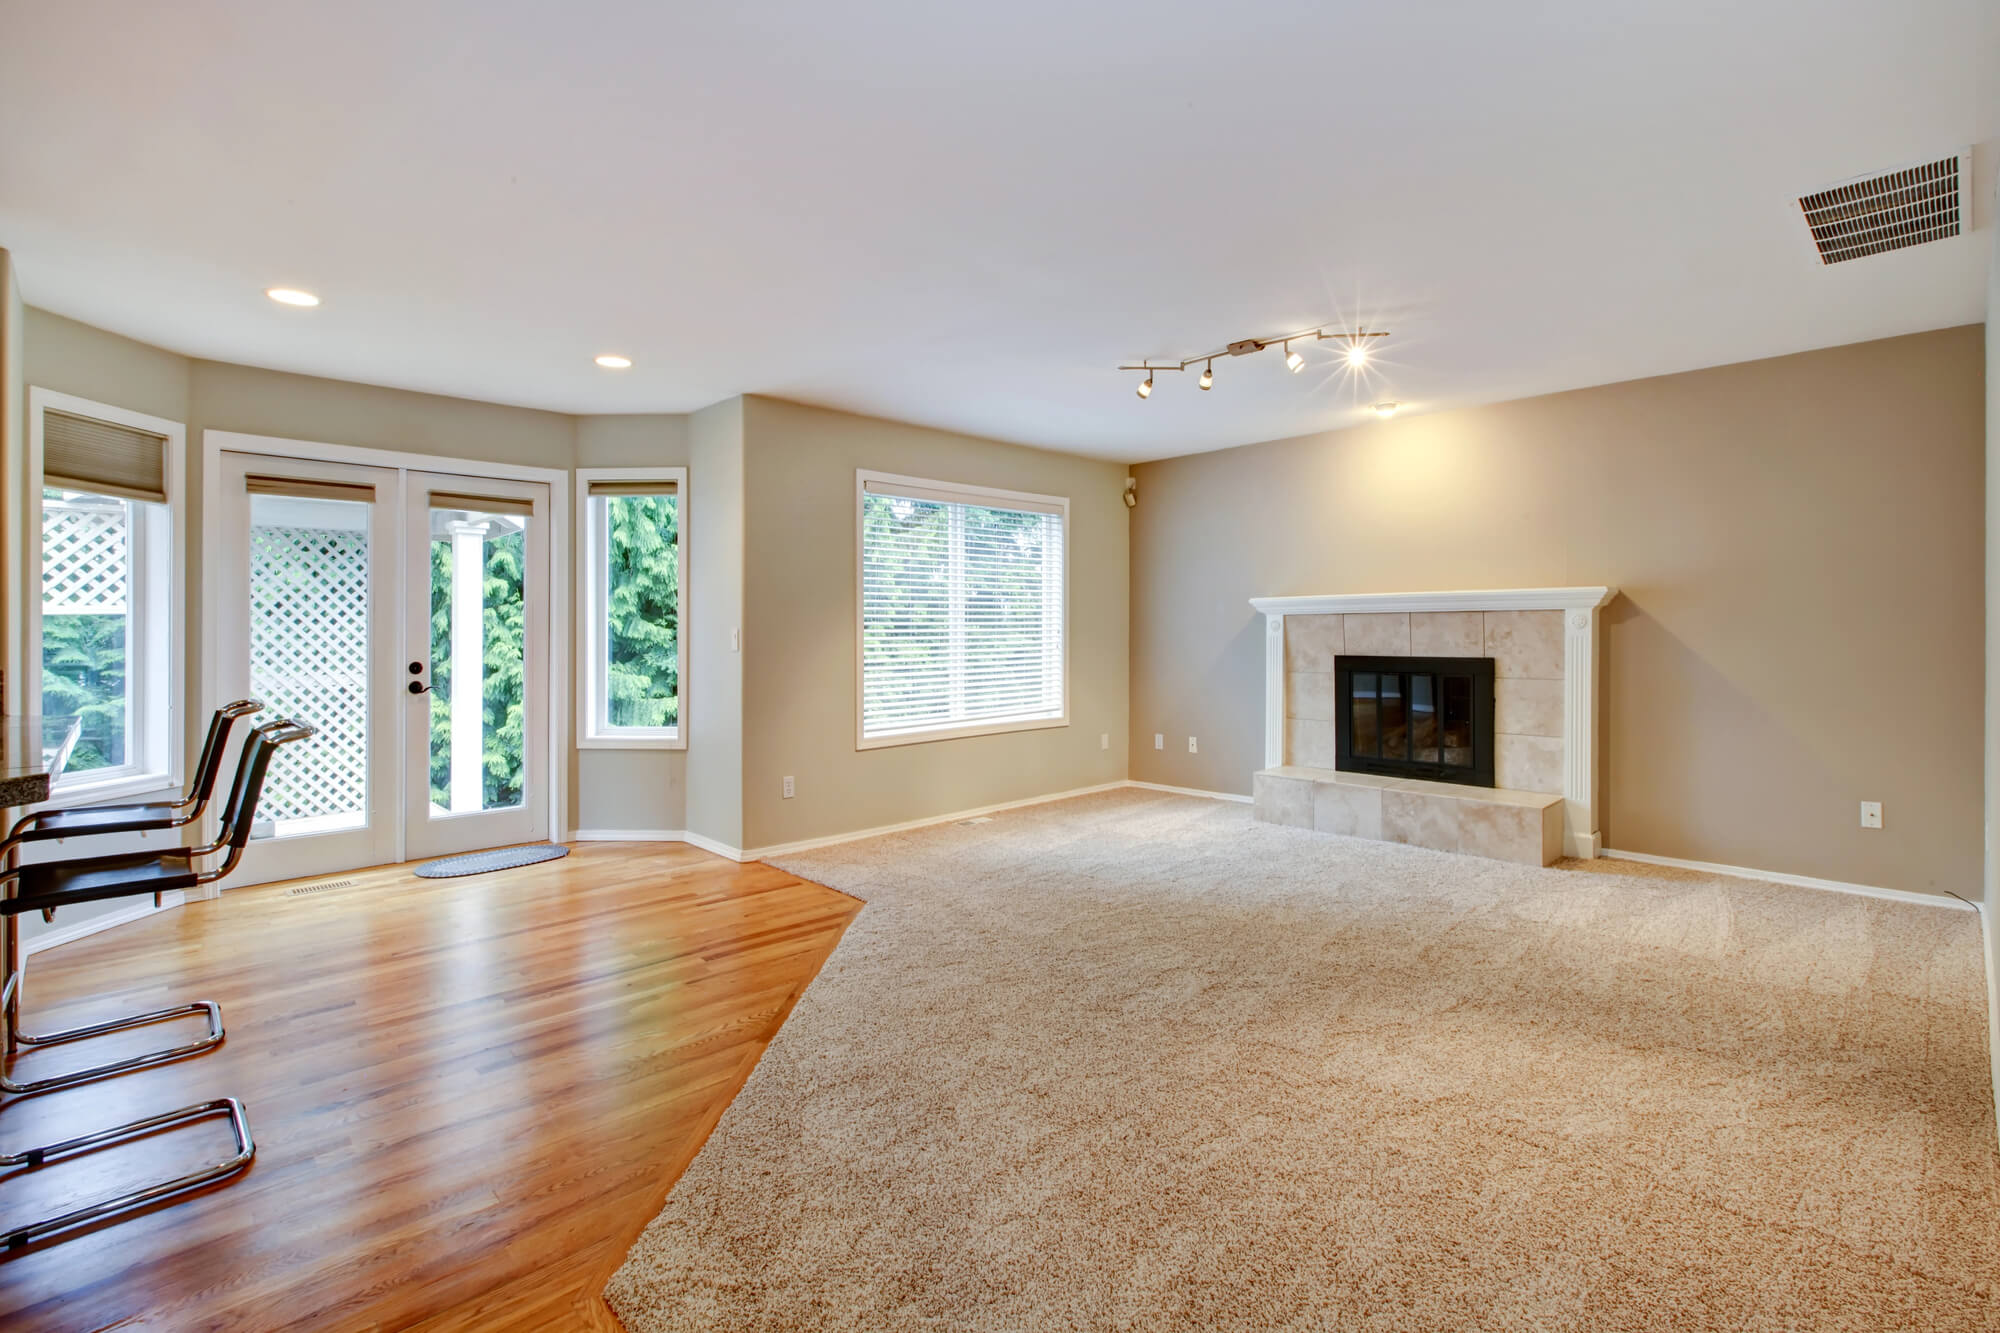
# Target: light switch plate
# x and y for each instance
(1159, 741)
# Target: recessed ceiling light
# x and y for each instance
(611, 361)
(292, 296)
(1387, 410)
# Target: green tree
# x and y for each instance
(83, 675)
(643, 583)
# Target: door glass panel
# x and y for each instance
(478, 749)
(309, 637)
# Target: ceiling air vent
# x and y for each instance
(1873, 214)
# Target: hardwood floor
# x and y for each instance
(469, 1095)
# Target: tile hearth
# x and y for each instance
(1494, 822)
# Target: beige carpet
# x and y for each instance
(1138, 1062)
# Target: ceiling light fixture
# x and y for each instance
(292, 296)
(1358, 342)
(612, 361)
(1387, 410)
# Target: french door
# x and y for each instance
(404, 614)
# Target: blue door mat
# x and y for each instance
(478, 863)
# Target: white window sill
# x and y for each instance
(69, 792)
(613, 741)
(958, 733)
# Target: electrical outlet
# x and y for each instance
(1104, 740)
(1191, 749)
(1159, 741)
(788, 787)
(1871, 814)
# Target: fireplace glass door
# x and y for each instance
(1416, 717)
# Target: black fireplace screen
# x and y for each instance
(1416, 717)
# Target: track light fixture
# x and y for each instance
(1357, 341)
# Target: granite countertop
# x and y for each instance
(33, 751)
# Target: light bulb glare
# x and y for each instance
(292, 296)
(1357, 354)
(612, 361)
(1387, 410)
(1146, 389)
(1207, 380)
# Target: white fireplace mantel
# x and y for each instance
(1580, 620)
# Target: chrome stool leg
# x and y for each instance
(10, 1017)
(239, 1123)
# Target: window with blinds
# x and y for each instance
(962, 610)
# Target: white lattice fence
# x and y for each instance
(309, 660)
(83, 557)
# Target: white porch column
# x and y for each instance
(468, 665)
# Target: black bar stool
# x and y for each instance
(52, 885)
(90, 820)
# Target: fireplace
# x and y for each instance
(1415, 717)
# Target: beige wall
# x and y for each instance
(714, 687)
(13, 484)
(1798, 541)
(799, 663)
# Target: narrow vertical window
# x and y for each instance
(107, 620)
(633, 660)
(962, 610)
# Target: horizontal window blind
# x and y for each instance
(962, 610)
(83, 454)
(632, 488)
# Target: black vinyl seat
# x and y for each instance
(89, 820)
(50, 886)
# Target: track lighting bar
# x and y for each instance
(1357, 342)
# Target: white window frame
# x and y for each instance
(592, 733)
(950, 492)
(157, 653)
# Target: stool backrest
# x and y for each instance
(240, 811)
(209, 766)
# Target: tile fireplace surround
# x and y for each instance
(1544, 643)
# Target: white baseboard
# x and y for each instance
(723, 849)
(1189, 791)
(809, 844)
(49, 939)
(716, 846)
(627, 835)
(1802, 881)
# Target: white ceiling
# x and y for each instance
(967, 215)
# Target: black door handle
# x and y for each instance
(418, 687)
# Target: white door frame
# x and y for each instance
(215, 442)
